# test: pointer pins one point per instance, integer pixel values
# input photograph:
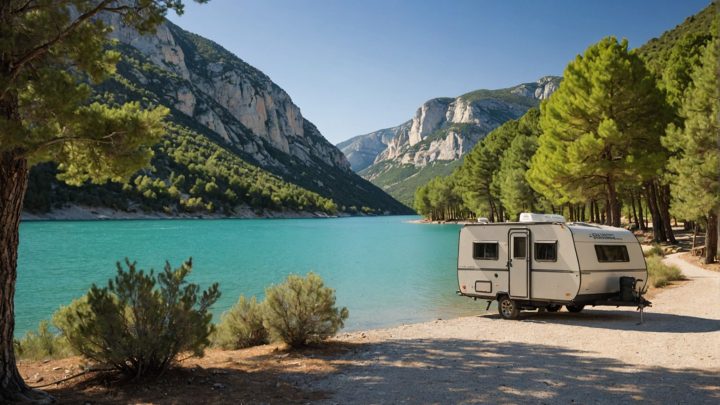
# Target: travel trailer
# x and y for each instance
(542, 262)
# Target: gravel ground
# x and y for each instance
(598, 356)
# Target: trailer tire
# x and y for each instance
(553, 308)
(574, 308)
(508, 308)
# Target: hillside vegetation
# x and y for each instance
(629, 135)
(442, 131)
(208, 161)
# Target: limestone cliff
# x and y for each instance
(209, 79)
(441, 131)
(362, 150)
(484, 110)
(233, 138)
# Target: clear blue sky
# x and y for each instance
(357, 66)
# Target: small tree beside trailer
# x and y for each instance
(544, 262)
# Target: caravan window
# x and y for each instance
(485, 250)
(546, 251)
(612, 253)
(519, 244)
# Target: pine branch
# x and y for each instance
(107, 139)
(45, 47)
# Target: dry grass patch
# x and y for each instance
(661, 274)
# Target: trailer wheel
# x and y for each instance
(553, 308)
(575, 308)
(508, 308)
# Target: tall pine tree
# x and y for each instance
(601, 128)
(696, 164)
(50, 51)
(516, 194)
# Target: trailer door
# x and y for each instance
(519, 262)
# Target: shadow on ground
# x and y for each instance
(623, 320)
(411, 371)
(465, 371)
(191, 385)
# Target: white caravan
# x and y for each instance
(544, 262)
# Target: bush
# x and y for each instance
(302, 311)
(139, 323)
(42, 344)
(660, 274)
(655, 250)
(242, 326)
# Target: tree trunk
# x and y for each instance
(13, 183)
(664, 208)
(711, 238)
(594, 212)
(634, 211)
(492, 209)
(614, 207)
(641, 219)
(658, 232)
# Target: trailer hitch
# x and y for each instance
(642, 302)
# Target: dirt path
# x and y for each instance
(597, 356)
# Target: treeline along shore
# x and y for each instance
(629, 133)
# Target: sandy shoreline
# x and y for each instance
(601, 355)
(82, 213)
(427, 221)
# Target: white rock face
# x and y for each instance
(428, 118)
(465, 120)
(546, 87)
(186, 101)
(215, 92)
(362, 150)
(160, 48)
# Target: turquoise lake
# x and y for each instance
(386, 270)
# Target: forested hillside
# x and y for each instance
(630, 134)
(234, 143)
(435, 140)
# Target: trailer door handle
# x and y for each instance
(509, 263)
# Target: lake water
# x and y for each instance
(386, 270)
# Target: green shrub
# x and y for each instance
(139, 323)
(660, 274)
(242, 326)
(42, 344)
(655, 250)
(302, 311)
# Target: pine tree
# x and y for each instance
(600, 128)
(676, 76)
(516, 194)
(480, 165)
(695, 167)
(49, 53)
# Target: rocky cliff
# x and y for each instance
(442, 131)
(362, 150)
(212, 83)
(222, 109)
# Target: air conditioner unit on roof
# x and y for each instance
(533, 217)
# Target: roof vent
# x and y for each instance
(532, 217)
(483, 220)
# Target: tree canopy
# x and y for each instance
(51, 52)
(601, 128)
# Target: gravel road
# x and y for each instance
(599, 356)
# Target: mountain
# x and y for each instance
(656, 52)
(235, 137)
(362, 150)
(438, 136)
